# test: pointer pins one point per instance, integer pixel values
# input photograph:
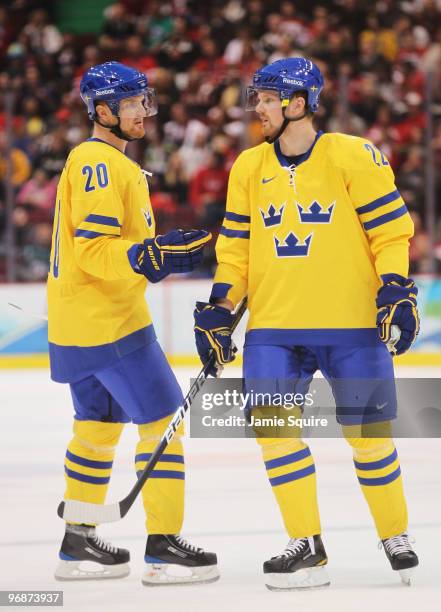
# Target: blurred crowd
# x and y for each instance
(200, 56)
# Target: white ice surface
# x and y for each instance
(229, 509)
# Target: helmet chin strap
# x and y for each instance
(116, 129)
(285, 122)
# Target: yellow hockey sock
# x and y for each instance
(163, 493)
(89, 459)
(379, 474)
(291, 472)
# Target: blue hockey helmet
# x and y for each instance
(112, 82)
(286, 76)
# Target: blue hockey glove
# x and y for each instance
(212, 331)
(173, 253)
(397, 305)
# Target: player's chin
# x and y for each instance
(268, 131)
(138, 131)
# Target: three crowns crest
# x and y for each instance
(315, 213)
(292, 248)
(272, 217)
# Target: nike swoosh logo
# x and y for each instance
(267, 180)
(381, 406)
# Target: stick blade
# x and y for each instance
(75, 511)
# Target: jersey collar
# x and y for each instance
(300, 158)
(94, 139)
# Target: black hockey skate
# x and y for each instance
(85, 556)
(171, 560)
(401, 555)
(300, 566)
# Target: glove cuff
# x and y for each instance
(134, 254)
(395, 289)
(214, 307)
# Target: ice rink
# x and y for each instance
(230, 509)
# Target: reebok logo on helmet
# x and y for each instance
(104, 92)
(293, 82)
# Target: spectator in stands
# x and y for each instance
(117, 27)
(195, 150)
(159, 25)
(53, 153)
(136, 55)
(38, 194)
(208, 190)
(34, 261)
(20, 164)
(175, 128)
(42, 37)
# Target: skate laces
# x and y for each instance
(104, 545)
(183, 542)
(294, 546)
(397, 544)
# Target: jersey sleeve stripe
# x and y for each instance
(98, 227)
(103, 220)
(386, 199)
(395, 214)
(231, 216)
(229, 233)
(79, 233)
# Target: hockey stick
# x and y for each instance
(84, 512)
(27, 312)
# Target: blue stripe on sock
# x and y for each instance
(278, 480)
(99, 465)
(165, 474)
(167, 457)
(376, 465)
(85, 478)
(375, 482)
(291, 458)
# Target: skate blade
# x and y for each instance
(90, 570)
(162, 574)
(406, 575)
(306, 578)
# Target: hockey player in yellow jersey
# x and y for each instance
(101, 336)
(316, 234)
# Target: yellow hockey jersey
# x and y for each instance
(96, 306)
(308, 242)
